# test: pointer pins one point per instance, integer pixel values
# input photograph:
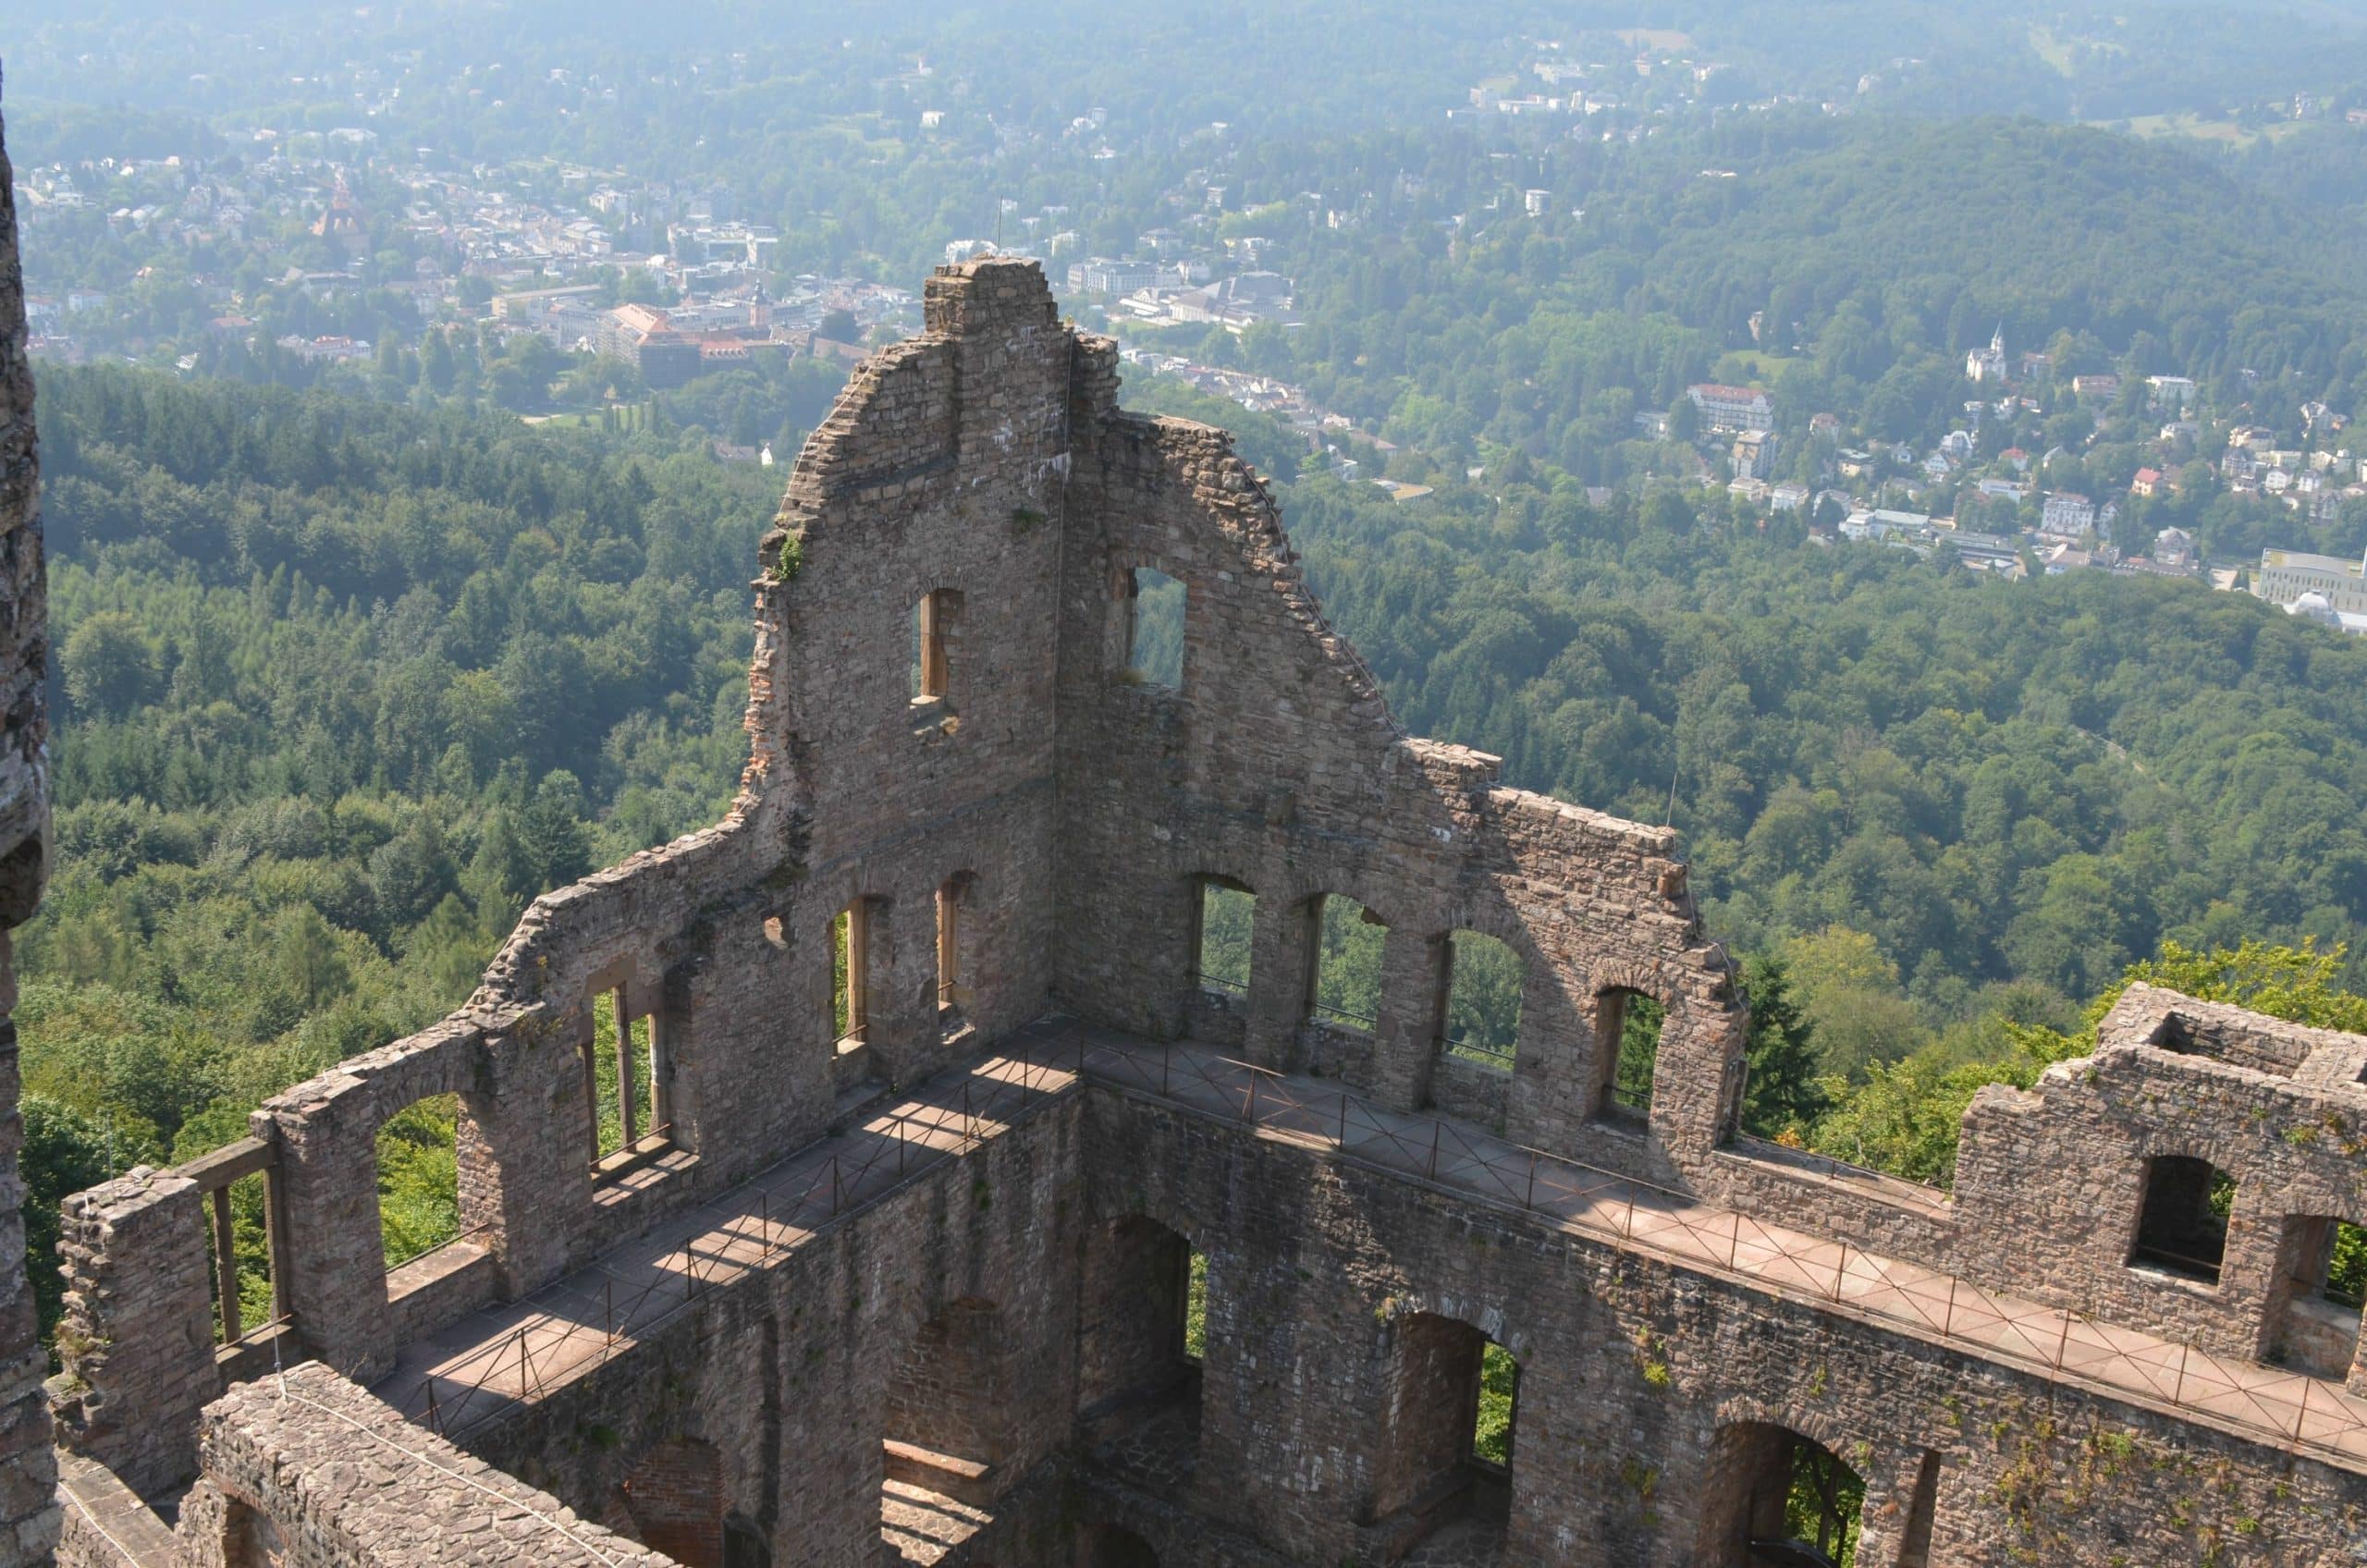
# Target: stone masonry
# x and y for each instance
(28, 1516)
(1055, 1257)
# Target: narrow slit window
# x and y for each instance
(952, 988)
(2182, 1228)
(1479, 1018)
(1155, 606)
(1195, 1336)
(1627, 1031)
(934, 622)
(1221, 951)
(850, 975)
(1345, 982)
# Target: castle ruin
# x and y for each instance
(889, 1173)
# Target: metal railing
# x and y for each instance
(2290, 1409)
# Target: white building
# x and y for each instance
(1732, 408)
(2287, 576)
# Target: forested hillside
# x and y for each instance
(338, 688)
(1874, 253)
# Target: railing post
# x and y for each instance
(1343, 1122)
(834, 1186)
(226, 1262)
(1249, 1112)
(1531, 1200)
(1434, 1148)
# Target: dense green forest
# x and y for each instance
(339, 687)
(341, 684)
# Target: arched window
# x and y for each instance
(1479, 1003)
(1343, 981)
(1627, 1043)
(2182, 1226)
(1154, 608)
(1779, 1500)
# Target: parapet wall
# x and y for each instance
(307, 1471)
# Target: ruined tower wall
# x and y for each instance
(1637, 1380)
(28, 1474)
(2279, 1108)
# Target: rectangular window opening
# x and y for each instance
(2182, 1228)
(952, 991)
(1221, 950)
(625, 1080)
(1628, 1027)
(1499, 1407)
(1154, 611)
(850, 976)
(936, 620)
(1345, 981)
(238, 1228)
(419, 1179)
(2346, 1280)
(1479, 1012)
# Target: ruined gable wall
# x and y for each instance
(27, 1516)
(936, 471)
(1631, 1370)
(1277, 766)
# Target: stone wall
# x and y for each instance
(28, 1513)
(307, 1471)
(2051, 1181)
(797, 1375)
(1008, 1326)
(1328, 1285)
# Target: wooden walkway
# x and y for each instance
(491, 1361)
